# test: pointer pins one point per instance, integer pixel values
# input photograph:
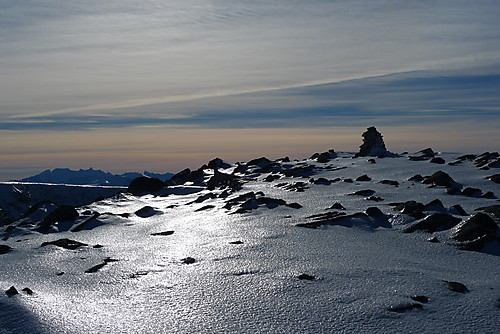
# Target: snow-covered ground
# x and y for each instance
(233, 261)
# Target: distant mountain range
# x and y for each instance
(90, 177)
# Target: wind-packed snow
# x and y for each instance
(219, 264)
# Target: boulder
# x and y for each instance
(373, 144)
(4, 249)
(65, 243)
(440, 178)
(217, 163)
(434, 222)
(495, 178)
(145, 185)
(476, 231)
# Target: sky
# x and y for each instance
(163, 85)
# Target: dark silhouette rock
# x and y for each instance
(65, 243)
(390, 182)
(188, 260)
(204, 208)
(456, 286)
(4, 249)
(416, 178)
(325, 156)
(237, 242)
(366, 192)
(374, 212)
(62, 213)
(12, 291)
(458, 210)
(145, 185)
(262, 162)
(363, 178)
(217, 163)
(434, 222)
(472, 192)
(493, 209)
(411, 208)
(489, 195)
(440, 178)
(495, 178)
(336, 206)
(28, 291)
(96, 268)
(374, 198)
(427, 152)
(404, 307)
(146, 212)
(373, 144)
(321, 181)
(164, 233)
(306, 277)
(435, 205)
(420, 299)
(179, 178)
(476, 231)
(222, 180)
(433, 240)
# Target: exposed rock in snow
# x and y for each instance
(145, 185)
(456, 286)
(373, 144)
(476, 231)
(434, 222)
(65, 243)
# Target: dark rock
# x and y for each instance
(324, 157)
(411, 208)
(420, 299)
(62, 213)
(95, 268)
(203, 198)
(65, 243)
(217, 163)
(373, 144)
(469, 157)
(455, 163)
(348, 180)
(204, 208)
(297, 186)
(405, 307)
(493, 209)
(321, 219)
(456, 286)
(363, 178)
(146, 212)
(416, 178)
(321, 181)
(435, 205)
(435, 222)
(98, 246)
(418, 158)
(336, 206)
(306, 277)
(60, 274)
(495, 178)
(489, 195)
(439, 161)
(367, 192)
(262, 162)
(374, 212)
(390, 182)
(272, 177)
(440, 178)
(433, 240)
(12, 291)
(458, 210)
(145, 185)
(472, 192)
(294, 205)
(4, 249)
(372, 161)
(237, 242)
(428, 152)
(164, 233)
(477, 230)
(28, 291)
(188, 260)
(222, 180)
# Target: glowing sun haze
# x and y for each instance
(162, 85)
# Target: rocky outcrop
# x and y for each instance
(434, 222)
(475, 232)
(145, 185)
(373, 144)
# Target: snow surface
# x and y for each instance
(253, 286)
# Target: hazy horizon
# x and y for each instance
(132, 86)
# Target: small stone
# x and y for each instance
(363, 178)
(337, 206)
(4, 249)
(98, 246)
(438, 161)
(60, 274)
(237, 242)
(433, 240)
(12, 291)
(404, 307)
(420, 299)
(456, 286)
(28, 291)
(188, 260)
(164, 233)
(306, 277)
